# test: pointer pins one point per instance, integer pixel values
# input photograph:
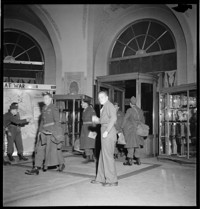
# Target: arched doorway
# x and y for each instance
(23, 58)
(142, 51)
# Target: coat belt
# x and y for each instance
(48, 124)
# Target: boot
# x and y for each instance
(87, 159)
(44, 169)
(21, 157)
(10, 157)
(138, 162)
(6, 162)
(134, 158)
(129, 161)
(33, 171)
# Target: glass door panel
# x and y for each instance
(192, 122)
(147, 104)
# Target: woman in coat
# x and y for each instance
(86, 143)
(133, 142)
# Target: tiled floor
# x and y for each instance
(153, 183)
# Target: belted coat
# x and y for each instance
(131, 119)
(87, 126)
(50, 122)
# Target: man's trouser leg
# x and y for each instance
(18, 142)
(10, 145)
(100, 172)
(107, 168)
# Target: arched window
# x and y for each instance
(145, 46)
(23, 60)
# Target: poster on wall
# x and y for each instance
(30, 101)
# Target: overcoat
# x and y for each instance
(131, 119)
(120, 117)
(87, 126)
(50, 122)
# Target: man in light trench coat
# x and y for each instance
(106, 174)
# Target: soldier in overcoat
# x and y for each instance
(132, 118)
(106, 173)
(12, 126)
(50, 139)
(86, 143)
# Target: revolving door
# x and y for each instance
(143, 86)
(70, 117)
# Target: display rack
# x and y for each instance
(178, 113)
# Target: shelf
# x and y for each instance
(184, 121)
(177, 108)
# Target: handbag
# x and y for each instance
(121, 139)
(142, 129)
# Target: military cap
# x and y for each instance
(13, 106)
(133, 100)
(47, 93)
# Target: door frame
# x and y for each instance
(140, 78)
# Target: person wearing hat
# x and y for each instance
(49, 140)
(11, 126)
(87, 143)
(133, 142)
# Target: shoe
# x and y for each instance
(61, 167)
(6, 162)
(129, 161)
(96, 182)
(10, 157)
(21, 157)
(110, 184)
(32, 172)
(44, 169)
